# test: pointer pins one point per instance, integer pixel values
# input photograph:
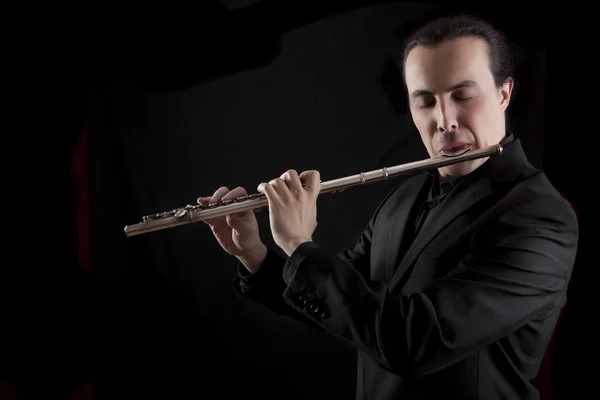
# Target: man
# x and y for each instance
(454, 288)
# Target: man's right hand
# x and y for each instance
(237, 234)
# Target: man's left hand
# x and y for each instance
(292, 207)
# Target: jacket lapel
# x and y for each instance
(394, 224)
(458, 201)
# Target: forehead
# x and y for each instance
(446, 64)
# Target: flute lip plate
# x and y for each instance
(456, 155)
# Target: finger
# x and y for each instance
(215, 198)
(290, 177)
(203, 200)
(312, 181)
(280, 186)
(269, 191)
(234, 194)
(219, 193)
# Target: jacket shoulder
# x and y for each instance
(534, 197)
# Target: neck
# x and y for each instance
(444, 178)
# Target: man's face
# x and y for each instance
(454, 101)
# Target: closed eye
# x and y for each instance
(431, 102)
(460, 99)
(427, 103)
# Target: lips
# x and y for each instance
(454, 148)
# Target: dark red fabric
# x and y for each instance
(10, 392)
(80, 172)
(84, 392)
(79, 169)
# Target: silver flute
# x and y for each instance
(195, 213)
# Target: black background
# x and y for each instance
(231, 93)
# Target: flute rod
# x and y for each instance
(192, 214)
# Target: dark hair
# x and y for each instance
(451, 27)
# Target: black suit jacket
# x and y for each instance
(468, 310)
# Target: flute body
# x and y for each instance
(195, 213)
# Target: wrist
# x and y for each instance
(253, 260)
(292, 245)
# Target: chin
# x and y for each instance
(460, 169)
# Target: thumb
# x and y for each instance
(238, 222)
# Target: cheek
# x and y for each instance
(423, 120)
(476, 118)
(419, 119)
(424, 124)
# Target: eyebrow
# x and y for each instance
(467, 83)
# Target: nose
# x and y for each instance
(446, 119)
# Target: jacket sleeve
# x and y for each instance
(266, 286)
(518, 266)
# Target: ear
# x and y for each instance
(505, 93)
